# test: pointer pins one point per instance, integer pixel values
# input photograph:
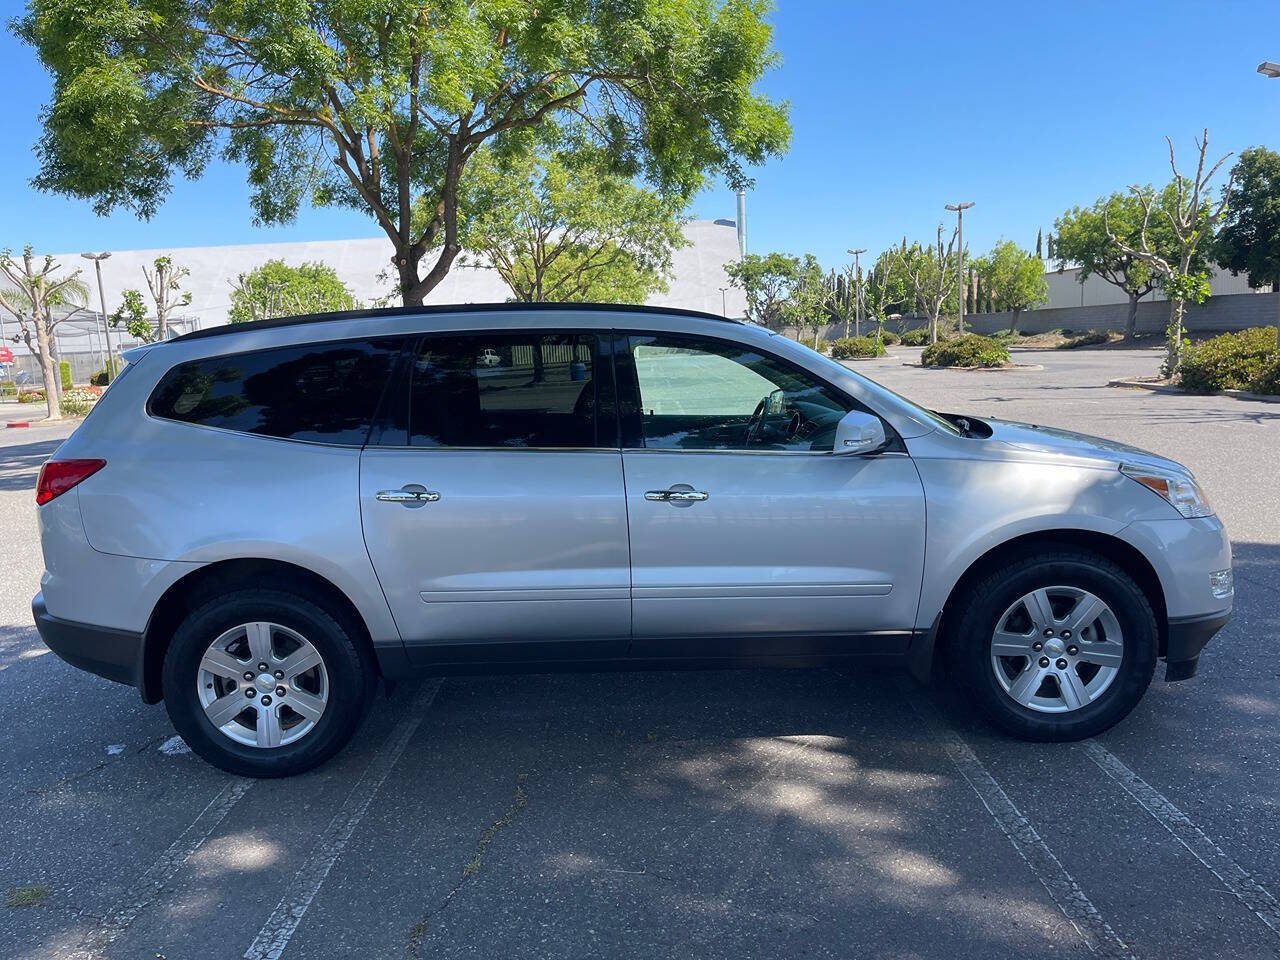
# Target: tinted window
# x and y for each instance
(504, 390)
(711, 395)
(326, 392)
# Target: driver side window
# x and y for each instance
(699, 394)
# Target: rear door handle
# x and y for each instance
(676, 496)
(410, 493)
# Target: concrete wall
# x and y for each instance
(1066, 290)
(1218, 314)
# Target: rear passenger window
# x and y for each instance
(504, 390)
(322, 392)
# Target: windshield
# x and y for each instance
(924, 414)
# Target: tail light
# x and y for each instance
(59, 476)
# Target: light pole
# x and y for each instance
(97, 259)
(1269, 68)
(857, 295)
(724, 304)
(960, 208)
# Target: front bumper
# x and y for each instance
(114, 654)
(1187, 637)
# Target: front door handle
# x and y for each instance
(676, 495)
(410, 493)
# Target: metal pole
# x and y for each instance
(724, 303)
(857, 293)
(97, 259)
(960, 208)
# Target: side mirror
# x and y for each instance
(859, 432)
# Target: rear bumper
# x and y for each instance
(1187, 637)
(114, 654)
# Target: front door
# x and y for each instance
(748, 535)
(493, 502)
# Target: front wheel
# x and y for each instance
(1060, 645)
(265, 683)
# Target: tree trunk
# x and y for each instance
(48, 372)
(1013, 322)
(1131, 321)
(1173, 348)
(933, 328)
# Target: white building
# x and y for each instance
(1066, 290)
(698, 280)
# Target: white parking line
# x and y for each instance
(1043, 863)
(275, 934)
(151, 883)
(1238, 880)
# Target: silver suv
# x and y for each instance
(259, 521)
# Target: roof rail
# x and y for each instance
(441, 309)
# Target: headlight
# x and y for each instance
(1180, 489)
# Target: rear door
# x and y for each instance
(492, 500)
(748, 535)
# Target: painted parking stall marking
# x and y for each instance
(1238, 881)
(276, 933)
(158, 875)
(1062, 888)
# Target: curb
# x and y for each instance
(1166, 388)
(1012, 368)
(18, 423)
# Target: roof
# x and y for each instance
(444, 309)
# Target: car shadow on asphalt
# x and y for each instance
(20, 464)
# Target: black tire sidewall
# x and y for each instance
(1098, 576)
(348, 677)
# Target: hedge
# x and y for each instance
(969, 350)
(1232, 361)
(851, 348)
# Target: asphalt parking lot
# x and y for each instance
(730, 814)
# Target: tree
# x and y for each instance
(276, 289)
(932, 273)
(888, 288)
(1015, 279)
(1249, 241)
(562, 223)
(810, 302)
(132, 315)
(164, 282)
(1082, 239)
(1191, 216)
(35, 294)
(380, 106)
(767, 283)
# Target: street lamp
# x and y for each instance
(857, 295)
(959, 209)
(97, 259)
(724, 304)
(1269, 68)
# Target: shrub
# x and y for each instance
(8, 387)
(1086, 339)
(1231, 361)
(915, 338)
(889, 338)
(850, 348)
(31, 396)
(100, 379)
(76, 403)
(969, 350)
(64, 373)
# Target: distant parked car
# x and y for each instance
(258, 521)
(488, 358)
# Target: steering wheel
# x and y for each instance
(756, 422)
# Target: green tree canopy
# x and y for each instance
(1249, 241)
(767, 283)
(1014, 277)
(562, 223)
(380, 105)
(277, 289)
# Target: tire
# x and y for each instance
(339, 686)
(1055, 709)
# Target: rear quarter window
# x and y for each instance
(319, 392)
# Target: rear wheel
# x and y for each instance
(1056, 646)
(265, 683)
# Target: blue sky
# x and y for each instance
(897, 109)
